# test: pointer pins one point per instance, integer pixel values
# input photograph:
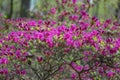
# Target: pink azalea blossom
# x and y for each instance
(4, 61)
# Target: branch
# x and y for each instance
(35, 71)
(52, 72)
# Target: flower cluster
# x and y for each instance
(82, 46)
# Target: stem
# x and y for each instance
(79, 76)
(51, 74)
(35, 71)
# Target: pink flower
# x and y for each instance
(101, 70)
(18, 53)
(77, 67)
(16, 39)
(74, 17)
(117, 70)
(86, 67)
(69, 42)
(3, 61)
(113, 50)
(83, 25)
(50, 42)
(61, 69)
(39, 59)
(67, 36)
(73, 27)
(62, 28)
(98, 23)
(53, 10)
(23, 72)
(77, 44)
(73, 75)
(74, 1)
(110, 73)
(84, 15)
(4, 71)
(41, 36)
(85, 59)
(17, 66)
(87, 53)
(40, 22)
(76, 8)
(66, 50)
(48, 53)
(31, 23)
(64, 1)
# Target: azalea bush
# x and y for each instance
(68, 45)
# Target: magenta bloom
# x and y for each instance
(69, 42)
(64, 1)
(77, 43)
(48, 53)
(110, 73)
(39, 59)
(101, 71)
(86, 67)
(74, 1)
(3, 61)
(117, 70)
(87, 53)
(73, 75)
(61, 69)
(40, 22)
(73, 27)
(23, 72)
(68, 36)
(77, 67)
(67, 50)
(4, 71)
(18, 54)
(73, 17)
(53, 10)
(50, 42)
(16, 39)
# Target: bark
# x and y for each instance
(11, 9)
(117, 13)
(25, 6)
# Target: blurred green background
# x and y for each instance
(102, 9)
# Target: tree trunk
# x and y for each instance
(25, 6)
(117, 13)
(11, 9)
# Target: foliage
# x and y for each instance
(67, 44)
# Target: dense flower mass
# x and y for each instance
(73, 45)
